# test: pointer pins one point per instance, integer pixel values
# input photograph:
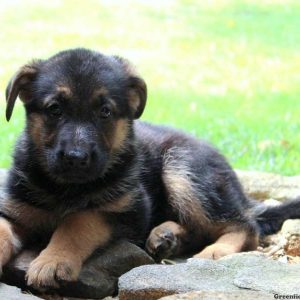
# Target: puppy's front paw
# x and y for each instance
(161, 243)
(47, 270)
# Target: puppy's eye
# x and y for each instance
(105, 112)
(54, 110)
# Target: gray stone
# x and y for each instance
(262, 186)
(255, 272)
(245, 271)
(209, 295)
(8, 292)
(291, 227)
(99, 275)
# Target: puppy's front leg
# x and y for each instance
(73, 241)
(10, 242)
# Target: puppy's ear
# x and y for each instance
(137, 88)
(20, 85)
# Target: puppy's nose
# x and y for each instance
(76, 159)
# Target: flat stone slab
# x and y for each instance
(99, 275)
(291, 227)
(235, 273)
(8, 292)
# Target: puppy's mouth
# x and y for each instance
(76, 177)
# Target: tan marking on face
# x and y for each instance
(36, 125)
(120, 134)
(65, 91)
(50, 138)
(120, 205)
(9, 241)
(103, 92)
(99, 92)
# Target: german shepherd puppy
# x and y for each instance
(86, 174)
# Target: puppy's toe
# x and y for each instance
(47, 271)
(41, 275)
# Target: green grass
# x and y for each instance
(227, 71)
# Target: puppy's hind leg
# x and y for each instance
(9, 242)
(233, 239)
(189, 217)
(184, 195)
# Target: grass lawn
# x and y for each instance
(227, 71)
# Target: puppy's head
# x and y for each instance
(79, 106)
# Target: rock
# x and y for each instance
(260, 274)
(291, 227)
(292, 248)
(208, 295)
(8, 292)
(261, 186)
(291, 231)
(285, 245)
(99, 275)
(234, 273)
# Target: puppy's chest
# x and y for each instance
(44, 211)
(40, 210)
(59, 205)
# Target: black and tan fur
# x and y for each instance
(86, 174)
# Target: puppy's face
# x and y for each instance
(80, 106)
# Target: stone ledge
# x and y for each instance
(235, 273)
